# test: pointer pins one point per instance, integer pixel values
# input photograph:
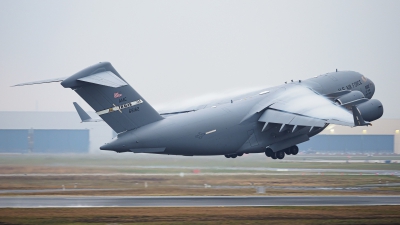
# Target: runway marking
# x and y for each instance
(194, 201)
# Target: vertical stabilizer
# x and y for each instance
(113, 99)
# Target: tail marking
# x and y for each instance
(119, 107)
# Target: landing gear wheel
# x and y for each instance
(273, 155)
(287, 151)
(233, 156)
(240, 154)
(280, 154)
(227, 156)
(294, 150)
(268, 152)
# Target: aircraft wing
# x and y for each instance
(301, 106)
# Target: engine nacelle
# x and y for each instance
(371, 110)
(350, 97)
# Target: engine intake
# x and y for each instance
(371, 110)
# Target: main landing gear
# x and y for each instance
(233, 155)
(281, 154)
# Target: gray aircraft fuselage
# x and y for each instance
(222, 128)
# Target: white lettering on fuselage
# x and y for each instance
(211, 131)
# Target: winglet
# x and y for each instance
(358, 119)
(83, 115)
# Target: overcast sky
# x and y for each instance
(175, 50)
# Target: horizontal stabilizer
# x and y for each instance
(106, 78)
(41, 81)
(83, 115)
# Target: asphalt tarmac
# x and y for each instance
(195, 201)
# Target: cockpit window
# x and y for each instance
(364, 78)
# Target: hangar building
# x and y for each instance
(382, 137)
(50, 132)
(44, 140)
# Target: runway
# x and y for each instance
(195, 201)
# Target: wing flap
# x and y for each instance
(342, 123)
(273, 116)
(307, 121)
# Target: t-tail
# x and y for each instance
(113, 99)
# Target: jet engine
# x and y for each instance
(371, 110)
(350, 97)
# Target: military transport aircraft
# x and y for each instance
(273, 120)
